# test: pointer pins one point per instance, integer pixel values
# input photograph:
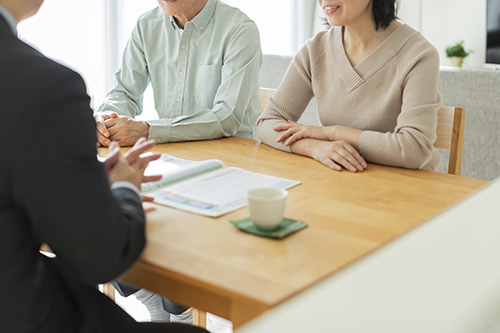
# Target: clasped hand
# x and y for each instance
(325, 145)
(122, 129)
(295, 131)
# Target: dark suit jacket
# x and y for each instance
(53, 190)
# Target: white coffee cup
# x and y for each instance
(266, 207)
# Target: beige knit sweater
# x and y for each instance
(392, 96)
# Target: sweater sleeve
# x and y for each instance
(410, 145)
(290, 100)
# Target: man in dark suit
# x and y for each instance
(54, 191)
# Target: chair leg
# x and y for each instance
(108, 290)
(199, 318)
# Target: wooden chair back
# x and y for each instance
(265, 93)
(450, 135)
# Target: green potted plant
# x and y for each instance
(457, 53)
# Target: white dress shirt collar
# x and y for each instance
(11, 21)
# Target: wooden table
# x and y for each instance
(209, 264)
(443, 277)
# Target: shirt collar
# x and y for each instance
(173, 23)
(11, 21)
(201, 20)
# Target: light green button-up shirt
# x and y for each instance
(204, 77)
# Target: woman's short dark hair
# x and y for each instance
(384, 12)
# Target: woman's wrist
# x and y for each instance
(348, 134)
(332, 133)
(305, 147)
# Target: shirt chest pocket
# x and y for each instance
(207, 81)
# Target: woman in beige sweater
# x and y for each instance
(376, 83)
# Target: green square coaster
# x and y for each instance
(287, 227)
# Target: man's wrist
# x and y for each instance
(146, 128)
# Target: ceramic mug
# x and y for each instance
(266, 207)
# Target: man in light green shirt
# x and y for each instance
(202, 58)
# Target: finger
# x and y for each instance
(110, 162)
(136, 166)
(297, 136)
(331, 164)
(112, 158)
(281, 127)
(113, 145)
(154, 156)
(358, 161)
(112, 150)
(287, 133)
(101, 128)
(361, 160)
(140, 167)
(349, 157)
(147, 199)
(102, 140)
(140, 147)
(138, 144)
(108, 114)
(344, 161)
(148, 157)
(154, 178)
(362, 165)
(112, 122)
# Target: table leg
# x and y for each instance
(199, 318)
(108, 290)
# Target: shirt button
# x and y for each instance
(178, 99)
(181, 73)
(183, 46)
(158, 140)
(201, 28)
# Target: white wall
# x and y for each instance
(72, 34)
(445, 22)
